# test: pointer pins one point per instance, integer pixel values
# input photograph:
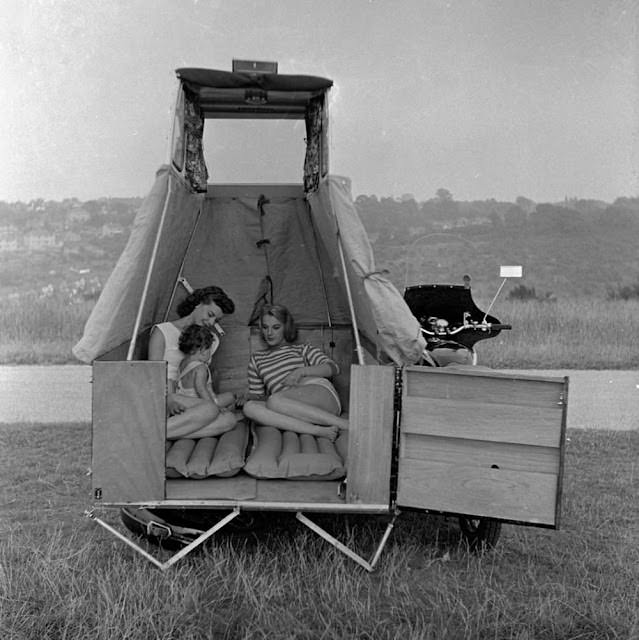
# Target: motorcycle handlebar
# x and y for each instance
(476, 327)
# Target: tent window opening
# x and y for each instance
(255, 151)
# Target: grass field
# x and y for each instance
(62, 576)
(41, 330)
(568, 334)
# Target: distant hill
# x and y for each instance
(570, 249)
(62, 245)
(573, 248)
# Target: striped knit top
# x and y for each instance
(268, 369)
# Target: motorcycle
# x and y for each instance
(451, 323)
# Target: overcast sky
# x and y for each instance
(488, 99)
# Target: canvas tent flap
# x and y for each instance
(243, 249)
(112, 319)
(382, 315)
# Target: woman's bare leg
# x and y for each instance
(260, 413)
(311, 403)
(200, 419)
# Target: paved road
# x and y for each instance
(62, 393)
(48, 393)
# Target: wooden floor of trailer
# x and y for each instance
(251, 494)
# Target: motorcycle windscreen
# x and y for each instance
(449, 302)
(481, 443)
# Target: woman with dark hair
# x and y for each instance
(191, 417)
(289, 385)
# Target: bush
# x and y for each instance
(522, 292)
(624, 292)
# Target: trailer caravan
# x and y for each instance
(485, 446)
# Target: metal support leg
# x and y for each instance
(369, 566)
(181, 553)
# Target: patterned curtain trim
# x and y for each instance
(313, 144)
(195, 167)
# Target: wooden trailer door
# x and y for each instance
(129, 431)
(370, 436)
(481, 443)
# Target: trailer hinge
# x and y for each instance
(397, 420)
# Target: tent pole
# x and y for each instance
(147, 281)
(358, 344)
(181, 279)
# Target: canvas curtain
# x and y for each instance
(312, 161)
(194, 165)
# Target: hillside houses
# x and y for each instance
(11, 240)
(77, 216)
(40, 241)
(8, 240)
(111, 229)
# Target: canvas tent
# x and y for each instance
(304, 243)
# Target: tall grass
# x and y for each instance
(62, 576)
(41, 329)
(571, 334)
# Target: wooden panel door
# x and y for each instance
(129, 431)
(370, 435)
(482, 443)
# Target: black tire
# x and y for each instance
(155, 529)
(480, 534)
(176, 528)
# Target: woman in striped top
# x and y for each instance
(288, 383)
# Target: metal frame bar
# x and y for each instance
(256, 505)
(368, 565)
(349, 295)
(181, 279)
(177, 556)
(147, 280)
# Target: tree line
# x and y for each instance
(396, 219)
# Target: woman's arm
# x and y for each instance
(256, 389)
(157, 346)
(324, 370)
(316, 364)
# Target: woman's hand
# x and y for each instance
(241, 398)
(327, 432)
(294, 377)
(174, 406)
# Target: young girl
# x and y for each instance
(190, 417)
(288, 383)
(194, 375)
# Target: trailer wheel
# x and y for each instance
(155, 529)
(175, 528)
(480, 534)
